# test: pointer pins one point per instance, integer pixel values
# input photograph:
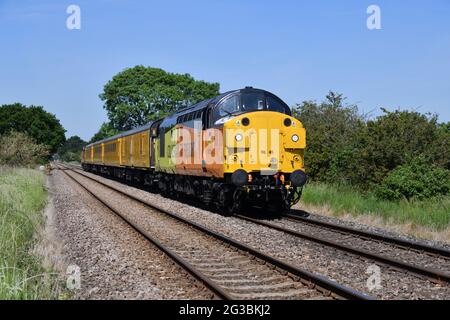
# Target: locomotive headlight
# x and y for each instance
(295, 138)
(238, 137)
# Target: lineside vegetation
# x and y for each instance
(432, 214)
(396, 166)
(22, 199)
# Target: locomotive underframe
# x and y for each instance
(219, 193)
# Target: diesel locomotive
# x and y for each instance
(240, 148)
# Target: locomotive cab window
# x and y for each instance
(247, 102)
(277, 106)
(253, 102)
(229, 106)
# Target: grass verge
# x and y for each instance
(432, 215)
(22, 200)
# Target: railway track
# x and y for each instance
(353, 246)
(401, 243)
(366, 235)
(230, 269)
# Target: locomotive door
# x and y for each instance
(152, 142)
(212, 147)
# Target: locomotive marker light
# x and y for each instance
(238, 137)
(295, 138)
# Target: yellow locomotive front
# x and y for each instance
(264, 143)
(263, 149)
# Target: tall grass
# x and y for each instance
(22, 199)
(433, 214)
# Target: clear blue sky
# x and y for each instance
(297, 49)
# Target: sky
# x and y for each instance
(298, 50)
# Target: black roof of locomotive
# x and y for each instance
(214, 101)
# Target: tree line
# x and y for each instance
(399, 154)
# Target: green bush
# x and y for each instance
(18, 149)
(416, 180)
(393, 139)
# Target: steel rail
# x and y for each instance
(372, 235)
(219, 292)
(433, 274)
(319, 280)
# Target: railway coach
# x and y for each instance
(241, 147)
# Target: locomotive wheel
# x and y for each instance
(238, 203)
(224, 201)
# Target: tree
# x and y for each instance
(445, 127)
(138, 95)
(105, 131)
(71, 149)
(332, 128)
(40, 125)
(18, 149)
(395, 138)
